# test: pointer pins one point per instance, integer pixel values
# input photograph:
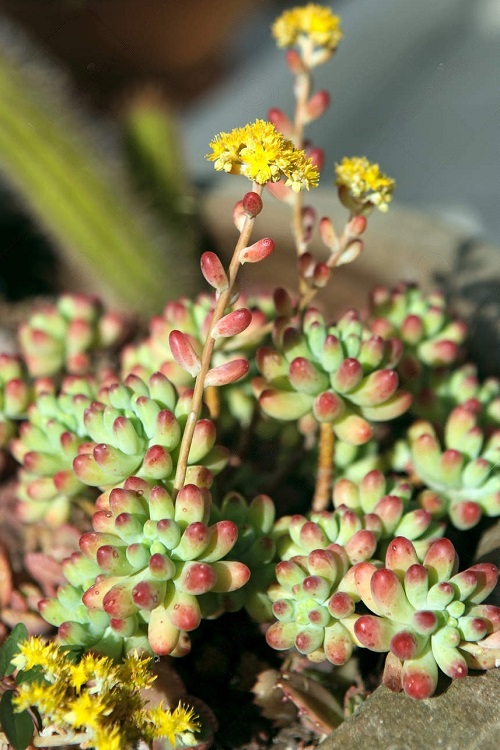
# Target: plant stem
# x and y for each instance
(206, 356)
(302, 91)
(324, 474)
(343, 243)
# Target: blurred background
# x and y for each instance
(415, 86)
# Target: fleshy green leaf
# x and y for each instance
(11, 647)
(17, 726)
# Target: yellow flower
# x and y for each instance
(306, 25)
(108, 738)
(47, 698)
(100, 671)
(171, 723)
(136, 670)
(86, 710)
(261, 153)
(35, 653)
(365, 183)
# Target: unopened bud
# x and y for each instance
(239, 215)
(357, 225)
(252, 204)
(306, 265)
(280, 121)
(183, 352)
(353, 251)
(213, 271)
(321, 275)
(227, 373)
(257, 252)
(327, 233)
(233, 323)
(294, 62)
(316, 106)
(317, 156)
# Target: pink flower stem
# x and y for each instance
(206, 356)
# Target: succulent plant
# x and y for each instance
(255, 547)
(73, 442)
(312, 614)
(135, 428)
(426, 615)
(300, 535)
(431, 336)
(150, 561)
(461, 474)
(341, 374)
(390, 502)
(16, 394)
(445, 389)
(48, 442)
(61, 336)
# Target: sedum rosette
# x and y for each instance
(145, 567)
(461, 472)
(61, 336)
(340, 374)
(426, 615)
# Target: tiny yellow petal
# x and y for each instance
(365, 182)
(261, 153)
(314, 23)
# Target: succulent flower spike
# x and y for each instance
(16, 393)
(431, 337)
(341, 374)
(154, 560)
(313, 615)
(462, 474)
(192, 318)
(426, 615)
(375, 497)
(61, 336)
(136, 428)
(47, 444)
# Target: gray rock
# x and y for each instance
(464, 717)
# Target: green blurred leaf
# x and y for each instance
(30, 675)
(11, 647)
(17, 726)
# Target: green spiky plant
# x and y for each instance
(79, 195)
(177, 527)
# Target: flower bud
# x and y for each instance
(213, 271)
(316, 106)
(183, 352)
(280, 121)
(227, 373)
(232, 324)
(252, 204)
(256, 252)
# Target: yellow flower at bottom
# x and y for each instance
(364, 181)
(261, 153)
(171, 723)
(313, 22)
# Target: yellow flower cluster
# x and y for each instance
(311, 23)
(365, 182)
(95, 699)
(261, 153)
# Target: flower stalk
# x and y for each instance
(206, 356)
(324, 473)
